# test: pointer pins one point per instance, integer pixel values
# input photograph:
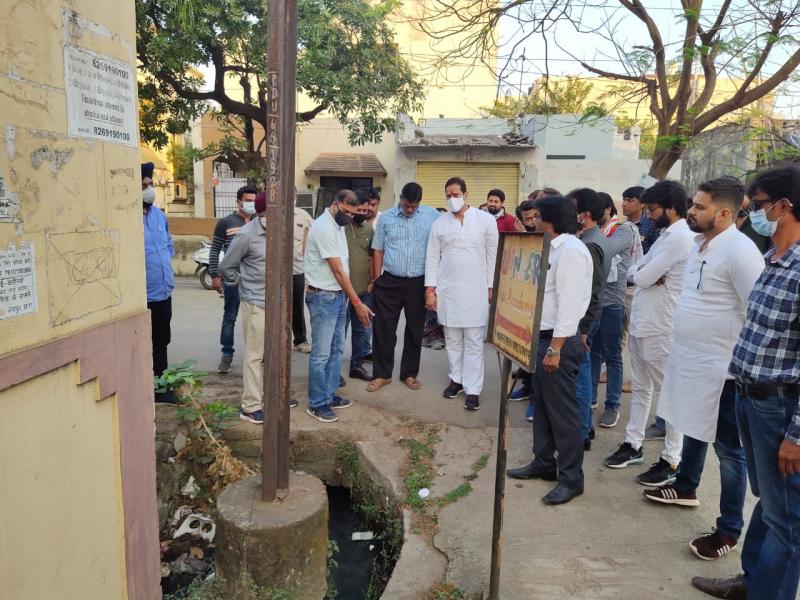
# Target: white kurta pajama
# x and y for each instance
(710, 314)
(460, 265)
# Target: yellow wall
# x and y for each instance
(77, 196)
(61, 506)
(61, 514)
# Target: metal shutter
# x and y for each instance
(480, 178)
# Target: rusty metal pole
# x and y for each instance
(500, 485)
(281, 104)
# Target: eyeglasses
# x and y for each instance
(762, 203)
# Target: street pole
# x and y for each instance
(281, 105)
(500, 484)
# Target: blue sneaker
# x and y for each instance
(339, 402)
(529, 414)
(257, 417)
(519, 395)
(323, 413)
(293, 403)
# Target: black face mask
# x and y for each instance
(359, 219)
(342, 218)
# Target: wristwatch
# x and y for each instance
(552, 351)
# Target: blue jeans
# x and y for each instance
(771, 552)
(328, 312)
(732, 465)
(583, 385)
(361, 336)
(229, 318)
(607, 348)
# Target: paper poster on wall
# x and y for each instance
(101, 97)
(17, 281)
(9, 203)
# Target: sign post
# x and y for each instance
(281, 103)
(514, 318)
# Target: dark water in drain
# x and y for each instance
(355, 558)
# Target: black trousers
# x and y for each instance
(160, 318)
(298, 308)
(391, 295)
(557, 426)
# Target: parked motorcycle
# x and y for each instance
(200, 256)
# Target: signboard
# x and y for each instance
(101, 97)
(519, 279)
(17, 281)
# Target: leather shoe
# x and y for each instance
(360, 373)
(561, 494)
(531, 472)
(733, 588)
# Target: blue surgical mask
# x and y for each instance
(249, 207)
(762, 225)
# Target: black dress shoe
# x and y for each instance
(734, 588)
(561, 494)
(361, 374)
(367, 358)
(587, 445)
(531, 472)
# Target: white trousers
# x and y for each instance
(648, 360)
(253, 364)
(465, 354)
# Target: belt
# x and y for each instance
(547, 334)
(311, 288)
(764, 390)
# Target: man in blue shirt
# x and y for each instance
(158, 253)
(399, 248)
(766, 366)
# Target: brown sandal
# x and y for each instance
(412, 383)
(377, 383)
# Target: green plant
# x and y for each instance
(453, 495)
(181, 378)
(445, 591)
(332, 565)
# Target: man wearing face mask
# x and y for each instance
(158, 253)
(459, 275)
(495, 201)
(359, 244)
(224, 231)
(328, 290)
(244, 267)
(698, 394)
(766, 365)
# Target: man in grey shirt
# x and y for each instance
(244, 265)
(622, 243)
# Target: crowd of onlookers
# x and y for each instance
(704, 291)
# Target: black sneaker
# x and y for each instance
(453, 390)
(472, 402)
(654, 432)
(660, 474)
(712, 546)
(323, 413)
(624, 456)
(339, 402)
(257, 417)
(293, 403)
(225, 364)
(669, 495)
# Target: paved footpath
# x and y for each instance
(609, 543)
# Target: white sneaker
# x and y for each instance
(305, 348)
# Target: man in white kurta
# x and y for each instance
(698, 394)
(459, 274)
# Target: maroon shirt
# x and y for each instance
(506, 223)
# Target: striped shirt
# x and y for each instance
(768, 350)
(404, 240)
(224, 231)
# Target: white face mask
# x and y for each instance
(263, 221)
(249, 207)
(455, 203)
(149, 195)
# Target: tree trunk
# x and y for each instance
(663, 161)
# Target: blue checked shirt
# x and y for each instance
(404, 240)
(768, 350)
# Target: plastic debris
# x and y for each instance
(197, 525)
(191, 488)
(362, 536)
(424, 493)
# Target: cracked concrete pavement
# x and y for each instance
(609, 543)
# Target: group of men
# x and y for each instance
(712, 327)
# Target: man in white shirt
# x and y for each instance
(328, 290)
(459, 274)
(658, 277)
(568, 290)
(698, 394)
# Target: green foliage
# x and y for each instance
(347, 63)
(209, 590)
(445, 591)
(332, 565)
(182, 159)
(560, 97)
(454, 495)
(181, 377)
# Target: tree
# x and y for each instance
(348, 65)
(754, 44)
(565, 97)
